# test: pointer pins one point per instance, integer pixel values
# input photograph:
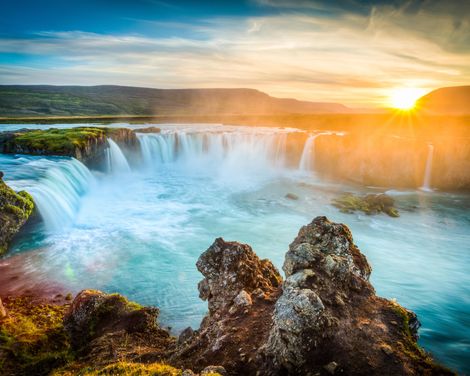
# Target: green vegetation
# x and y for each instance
(32, 338)
(124, 369)
(369, 204)
(58, 141)
(15, 209)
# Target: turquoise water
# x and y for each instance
(140, 232)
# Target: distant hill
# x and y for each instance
(42, 100)
(447, 100)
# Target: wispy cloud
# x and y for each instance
(353, 58)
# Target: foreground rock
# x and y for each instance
(323, 319)
(87, 144)
(369, 204)
(15, 209)
(107, 328)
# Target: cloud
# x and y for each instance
(353, 58)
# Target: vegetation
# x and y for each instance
(32, 338)
(369, 204)
(15, 209)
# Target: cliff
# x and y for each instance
(15, 209)
(323, 319)
(87, 144)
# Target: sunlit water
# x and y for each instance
(140, 232)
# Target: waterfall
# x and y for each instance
(116, 160)
(56, 185)
(307, 160)
(228, 150)
(428, 170)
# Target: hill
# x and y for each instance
(447, 100)
(43, 100)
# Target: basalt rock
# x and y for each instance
(87, 144)
(106, 327)
(323, 319)
(15, 209)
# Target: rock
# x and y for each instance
(325, 312)
(292, 196)
(148, 130)
(97, 322)
(69, 296)
(369, 204)
(243, 299)
(229, 268)
(3, 312)
(185, 335)
(87, 144)
(331, 368)
(214, 370)
(15, 210)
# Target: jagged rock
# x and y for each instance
(229, 268)
(15, 209)
(99, 324)
(185, 335)
(325, 317)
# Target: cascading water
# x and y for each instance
(56, 185)
(226, 152)
(428, 170)
(307, 159)
(116, 160)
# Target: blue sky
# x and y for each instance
(349, 51)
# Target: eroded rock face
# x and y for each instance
(15, 209)
(104, 327)
(230, 269)
(323, 319)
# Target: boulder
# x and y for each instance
(108, 326)
(15, 209)
(369, 204)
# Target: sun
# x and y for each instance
(405, 98)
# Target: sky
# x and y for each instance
(348, 51)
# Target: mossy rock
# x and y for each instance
(32, 338)
(125, 369)
(15, 209)
(369, 204)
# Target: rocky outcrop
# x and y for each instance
(87, 144)
(323, 319)
(106, 328)
(369, 204)
(148, 130)
(15, 209)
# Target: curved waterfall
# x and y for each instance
(428, 170)
(227, 150)
(56, 185)
(115, 158)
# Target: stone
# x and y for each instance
(331, 368)
(292, 196)
(243, 299)
(214, 370)
(185, 335)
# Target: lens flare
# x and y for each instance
(405, 98)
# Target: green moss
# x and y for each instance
(368, 204)
(410, 347)
(32, 338)
(126, 369)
